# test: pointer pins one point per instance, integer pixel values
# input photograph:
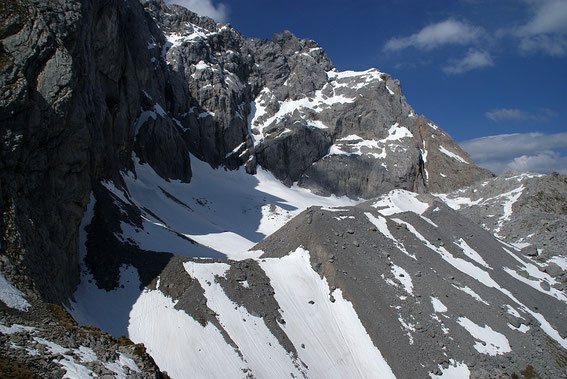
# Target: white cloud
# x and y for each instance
(544, 162)
(435, 35)
(505, 114)
(550, 17)
(546, 31)
(217, 12)
(472, 60)
(554, 45)
(536, 152)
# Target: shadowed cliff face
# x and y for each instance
(73, 80)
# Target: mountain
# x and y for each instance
(219, 198)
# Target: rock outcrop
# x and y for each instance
(120, 106)
(280, 103)
(74, 79)
(47, 342)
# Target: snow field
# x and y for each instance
(178, 343)
(261, 351)
(224, 226)
(336, 344)
(399, 201)
(328, 336)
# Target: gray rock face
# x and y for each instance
(44, 162)
(281, 103)
(160, 144)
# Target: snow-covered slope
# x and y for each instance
(341, 287)
(226, 211)
(227, 272)
(220, 214)
(327, 337)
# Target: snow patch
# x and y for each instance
(471, 253)
(471, 293)
(399, 201)
(456, 370)
(438, 306)
(491, 342)
(523, 328)
(452, 155)
(15, 328)
(382, 226)
(11, 296)
(403, 276)
(560, 261)
(510, 198)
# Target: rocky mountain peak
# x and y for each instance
(162, 172)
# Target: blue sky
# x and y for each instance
(477, 68)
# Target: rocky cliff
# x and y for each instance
(526, 210)
(72, 90)
(280, 103)
(85, 86)
(139, 138)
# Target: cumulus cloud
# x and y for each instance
(435, 35)
(472, 60)
(535, 152)
(217, 12)
(544, 162)
(506, 114)
(546, 31)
